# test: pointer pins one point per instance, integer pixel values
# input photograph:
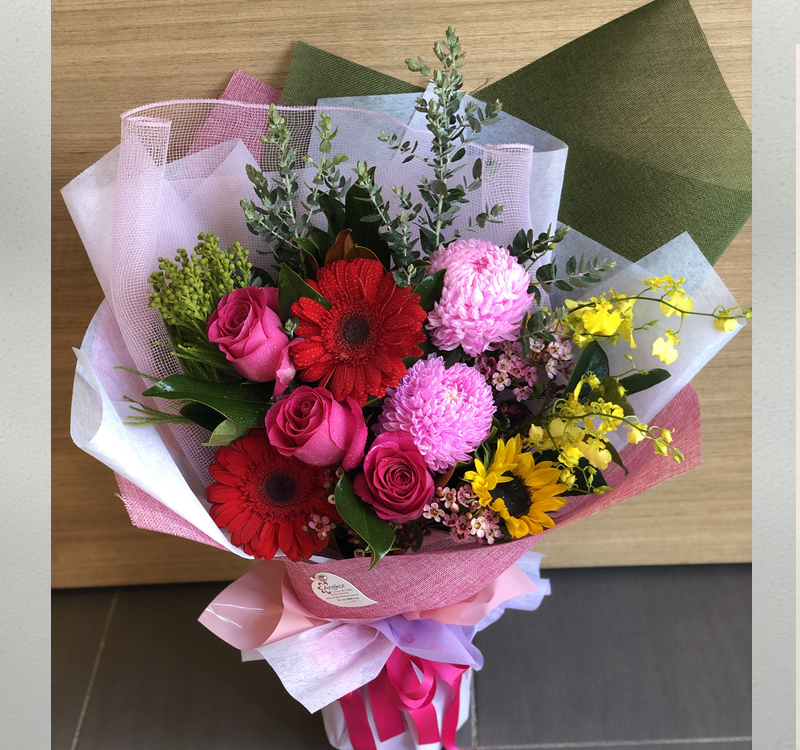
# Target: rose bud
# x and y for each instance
(396, 481)
(310, 425)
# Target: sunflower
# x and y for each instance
(266, 500)
(357, 347)
(521, 491)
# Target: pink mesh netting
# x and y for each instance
(182, 171)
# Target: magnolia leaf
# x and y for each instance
(225, 433)
(290, 289)
(360, 517)
(245, 404)
(345, 248)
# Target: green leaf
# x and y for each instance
(334, 213)
(615, 457)
(477, 171)
(305, 244)
(454, 356)
(260, 277)
(563, 286)
(360, 517)
(367, 234)
(430, 290)
(290, 289)
(593, 359)
(202, 415)
(572, 266)
(609, 391)
(580, 487)
(545, 273)
(241, 403)
(323, 240)
(642, 381)
(225, 433)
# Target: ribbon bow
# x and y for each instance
(406, 684)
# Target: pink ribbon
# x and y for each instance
(262, 607)
(406, 684)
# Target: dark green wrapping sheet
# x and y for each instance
(656, 143)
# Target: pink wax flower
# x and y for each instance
(311, 426)
(448, 412)
(396, 481)
(248, 331)
(485, 296)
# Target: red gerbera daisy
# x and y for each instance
(357, 347)
(266, 500)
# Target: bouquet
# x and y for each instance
(385, 370)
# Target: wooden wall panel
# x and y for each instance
(111, 55)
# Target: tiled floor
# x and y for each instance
(616, 658)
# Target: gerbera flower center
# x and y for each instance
(281, 488)
(515, 495)
(355, 331)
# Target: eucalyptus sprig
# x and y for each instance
(452, 130)
(276, 221)
(398, 232)
(528, 248)
(327, 179)
(578, 274)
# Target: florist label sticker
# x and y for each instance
(337, 591)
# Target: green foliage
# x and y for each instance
(243, 403)
(146, 415)
(641, 381)
(430, 290)
(528, 249)
(579, 274)
(609, 392)
(398, 234)
(360, 517)
(539, 325)
(290, 288)
(188, 290)
(440, 198)
(276, 220)
(452, 130)
(592, 360)
(587, 477)
(225, 433)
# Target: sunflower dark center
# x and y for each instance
(515, 495)
(355, 331)
(281, 488)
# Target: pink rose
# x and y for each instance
(310, 425)
(396, 480)
(248, 331)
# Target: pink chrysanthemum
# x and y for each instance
(485, 296)
(448, 412)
